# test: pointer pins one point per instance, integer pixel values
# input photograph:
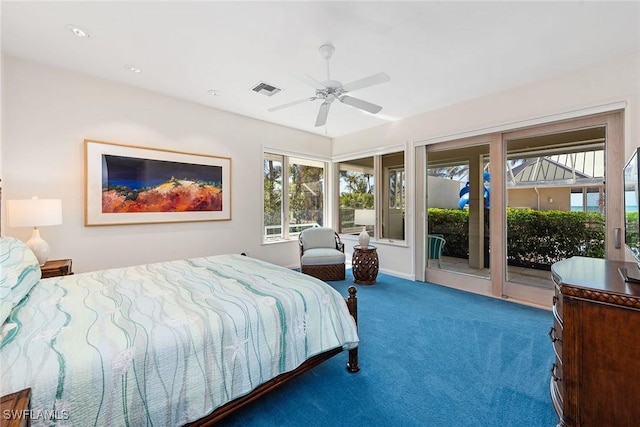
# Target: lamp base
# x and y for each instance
(39, 247)
(364, 238)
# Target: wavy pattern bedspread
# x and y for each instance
(166, 343)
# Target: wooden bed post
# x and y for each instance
(352, 304)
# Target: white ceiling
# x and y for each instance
(436, 53)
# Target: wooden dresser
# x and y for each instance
(595, 380)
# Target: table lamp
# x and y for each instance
(35, 213)
(364, 217)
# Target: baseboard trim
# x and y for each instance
(394, 273)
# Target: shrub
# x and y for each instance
(631, 228)
(453, 224)
(535, 239)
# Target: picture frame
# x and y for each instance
(127, 184)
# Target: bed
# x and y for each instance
(169, 343)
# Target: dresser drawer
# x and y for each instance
(557, 304)
(557, 377)
(555, 335)
(557, 399)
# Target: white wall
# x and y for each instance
(48, 112)
(443, 193)
(615, 81)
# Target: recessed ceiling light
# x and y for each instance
(77, 31)
(133, 68)
(213, 92)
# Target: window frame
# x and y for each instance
(286, 235)
(379, 190)
(365, 170)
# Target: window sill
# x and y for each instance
(381, 242)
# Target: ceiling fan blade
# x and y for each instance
(322, 114)
(366, 82)
(289, 104)
(313, 82)
(359, 103)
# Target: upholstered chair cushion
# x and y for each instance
(322, 256)
(319, 237)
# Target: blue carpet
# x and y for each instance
(429, 356)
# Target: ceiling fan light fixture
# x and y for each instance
(326, 50)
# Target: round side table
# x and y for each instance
(364, 265)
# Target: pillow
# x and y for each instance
(19, 272)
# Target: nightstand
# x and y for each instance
(364, 265)
(56, 267)
(14, 409)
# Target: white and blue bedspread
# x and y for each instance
(166, 343)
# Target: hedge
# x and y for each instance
(631, 228)
(535, 239)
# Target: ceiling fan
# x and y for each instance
(330, 90)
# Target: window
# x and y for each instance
(380, 209)
(272, 182)
(289, 209)
(393, 203)
(357, 201)
(306, 194)
(396, 189)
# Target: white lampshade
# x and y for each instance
(365, 217)
(35, 213)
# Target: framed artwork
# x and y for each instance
(133, 185)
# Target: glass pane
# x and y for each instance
(458, 189)
(393, 204)
(392, 190)
(356, 196)
(306, 194)
(595, 200)
(577, 200)
(555, 209)
(272, 181)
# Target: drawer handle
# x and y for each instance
(552, 335)
(554, 369)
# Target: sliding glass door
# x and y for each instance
(457, 211)
(544, 174)
(564, 199)
(508, 205)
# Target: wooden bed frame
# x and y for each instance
(234, 405)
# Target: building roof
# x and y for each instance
(585, 167)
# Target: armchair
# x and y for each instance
(322, 254)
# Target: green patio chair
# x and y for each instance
(435, 244)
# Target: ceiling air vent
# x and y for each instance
(266, 89)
